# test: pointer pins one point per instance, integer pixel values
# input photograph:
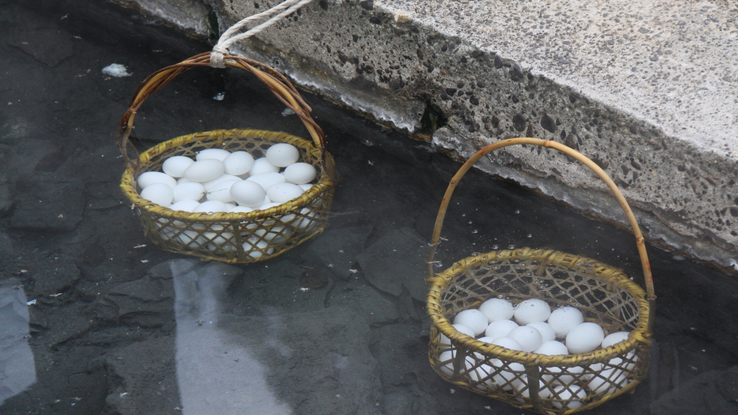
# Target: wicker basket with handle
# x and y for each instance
(230, 237)
(545, 384)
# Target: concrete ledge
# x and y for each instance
(648, 90)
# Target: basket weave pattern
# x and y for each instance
(230, 237)
(236, 237)
(604, 294)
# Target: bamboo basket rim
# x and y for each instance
(639, 337)
(129, 188)
(609, 274)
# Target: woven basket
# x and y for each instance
(604, 294)
(230, 237)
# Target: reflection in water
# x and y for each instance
(214, 376)
(17, 369)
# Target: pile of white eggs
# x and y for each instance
(532, 327)
(218, 180)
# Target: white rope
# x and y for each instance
(227, 38)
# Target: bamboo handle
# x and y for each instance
(564, 149)
(277, 83)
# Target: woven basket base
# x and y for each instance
(566, 384)
(233, 237)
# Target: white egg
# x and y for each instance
(188, 191)
(204, 170)
(569, 397)
(241, 209)
(281, 234)
(248, 193)
(159, 193)
(230, 206)
(608, 382)
(151, 177)
(532, 310)
(563, 319)
(306, 186)
(276, 235)
(185, 205)
(212, 154)
(183, 180)
(307, 219)
(628, 364)
(266, 180)
(592, 370)
(262, 165)
(508, 343)
(520, 386)
(614, 338)
(497, 309)
(300, 173)
(483, 339)
(547, 333)
(268, 205)
(283, 192)
(528, 337)
(222, 178)
(256, 247)
(584, 338)
(211, 206)
(219, 238)
(191, 239)
(507, 373)
(238, 163)
(282, 154)
(481, 375)
(446, 360)
(266, 200)
(472, 318)
(559, 375)
(500, 328)
(175, 166)
(222, 191)
(552, 348)
(461, 329)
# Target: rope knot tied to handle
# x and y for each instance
(229, 37)
(216, 56)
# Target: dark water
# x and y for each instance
(96, 320)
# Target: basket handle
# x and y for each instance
(566, 150)
(280, 86)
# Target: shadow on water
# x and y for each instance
(335, 326)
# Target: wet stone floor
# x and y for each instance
(96, 320)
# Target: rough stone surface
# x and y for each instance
(400, 252)
(45, 48)
(377, 310)
(45, 206)
(146, 381)
(341, 261)
(646, 90)
(62, 123)
(146, 302)
(6, 245)
(717, 390)
(188, 15)
(341, 377)
(54, 274)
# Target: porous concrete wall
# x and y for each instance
(480, 74)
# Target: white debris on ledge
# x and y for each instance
(116, 70)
